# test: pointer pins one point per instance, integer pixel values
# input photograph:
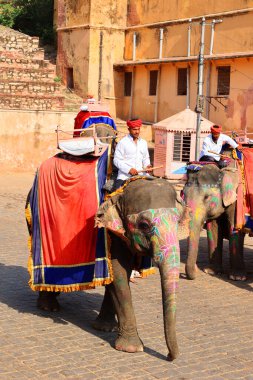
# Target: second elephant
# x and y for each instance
(210, 195)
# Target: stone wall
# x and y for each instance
(12, 40)
(27, 138)
(27, 80)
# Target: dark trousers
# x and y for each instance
(221, 163)
(119, 183)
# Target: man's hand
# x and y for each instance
(148, 169)
(133, 171)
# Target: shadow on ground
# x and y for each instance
(77, 308)
(202, 263)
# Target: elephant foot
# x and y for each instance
(237, 276)
(191, 272)
(129, 344)
(47, 301)
(213, 271)
(171, 357)
(105, 324)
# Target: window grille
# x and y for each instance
(223, 83)
(153, 75)
(182, 81)
(128, 83)
(182, 147)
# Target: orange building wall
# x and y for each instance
(151, 11)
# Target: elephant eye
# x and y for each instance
(144, 225)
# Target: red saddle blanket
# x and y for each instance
(67, 252)
(244, 217)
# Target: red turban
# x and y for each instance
(135, 123)
(216, 128)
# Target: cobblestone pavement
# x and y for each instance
(214, 322)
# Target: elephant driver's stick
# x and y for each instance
(150, 169)
(218, 154)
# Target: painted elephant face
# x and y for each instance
(208, 191)
(155, 231)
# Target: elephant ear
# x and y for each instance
(229, 186)
(108, 216)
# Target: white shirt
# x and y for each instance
(129, 154)
(209, 144)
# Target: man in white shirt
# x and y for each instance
(131, 154)
(212, 146)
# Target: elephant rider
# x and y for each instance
(131, 154)
(212, 146)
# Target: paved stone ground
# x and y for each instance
(214, 324)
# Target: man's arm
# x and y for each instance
(231, 142)
(120, 161)
(205, 148)
(146, 158)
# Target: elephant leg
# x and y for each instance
(47, 301)
(128, 339)
(106, 320)
(215, 245)
(192, 249)
(236, 246)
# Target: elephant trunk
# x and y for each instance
(168, 262)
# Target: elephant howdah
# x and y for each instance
(210, 195)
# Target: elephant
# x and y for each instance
(210, 196)
(142, 221)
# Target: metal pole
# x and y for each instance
(100, 65)
(134, 46)
(211, 39)
(157, 93)
(132, 94)
(189, 38)
(188, 67)
(161, 44)
(199, 108)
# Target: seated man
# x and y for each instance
(212, 146)
(131, 154)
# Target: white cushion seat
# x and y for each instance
(78, 145)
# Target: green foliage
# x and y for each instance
(32, 17)
(8, 14)
(57, 79)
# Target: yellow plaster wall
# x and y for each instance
(234, 34)
(151, 11)
(77, 12)
(112, 51)
(238, 114)
(34, 139)
(109, 13)
(75, 50)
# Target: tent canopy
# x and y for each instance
(184, 121)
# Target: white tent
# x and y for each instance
(184, 121)
(175, 142)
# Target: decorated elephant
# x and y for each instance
(141, 224)
(142, 221)
(210, 195)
